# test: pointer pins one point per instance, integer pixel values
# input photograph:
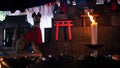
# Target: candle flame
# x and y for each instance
(91, 17)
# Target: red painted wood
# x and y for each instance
(62, 23)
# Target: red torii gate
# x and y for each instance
(63, 23)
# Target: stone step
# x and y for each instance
(6, 51)
(5, 48)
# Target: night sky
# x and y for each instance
(21, 4)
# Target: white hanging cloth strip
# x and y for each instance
(46, 17)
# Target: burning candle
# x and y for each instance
(93, 30)
(94, 33)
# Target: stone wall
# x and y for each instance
(108, 36)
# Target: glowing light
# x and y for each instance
(93, 30)
(2, 62)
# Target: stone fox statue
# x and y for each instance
(33, 36)
(18, 44)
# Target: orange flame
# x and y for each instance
(91, 17)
